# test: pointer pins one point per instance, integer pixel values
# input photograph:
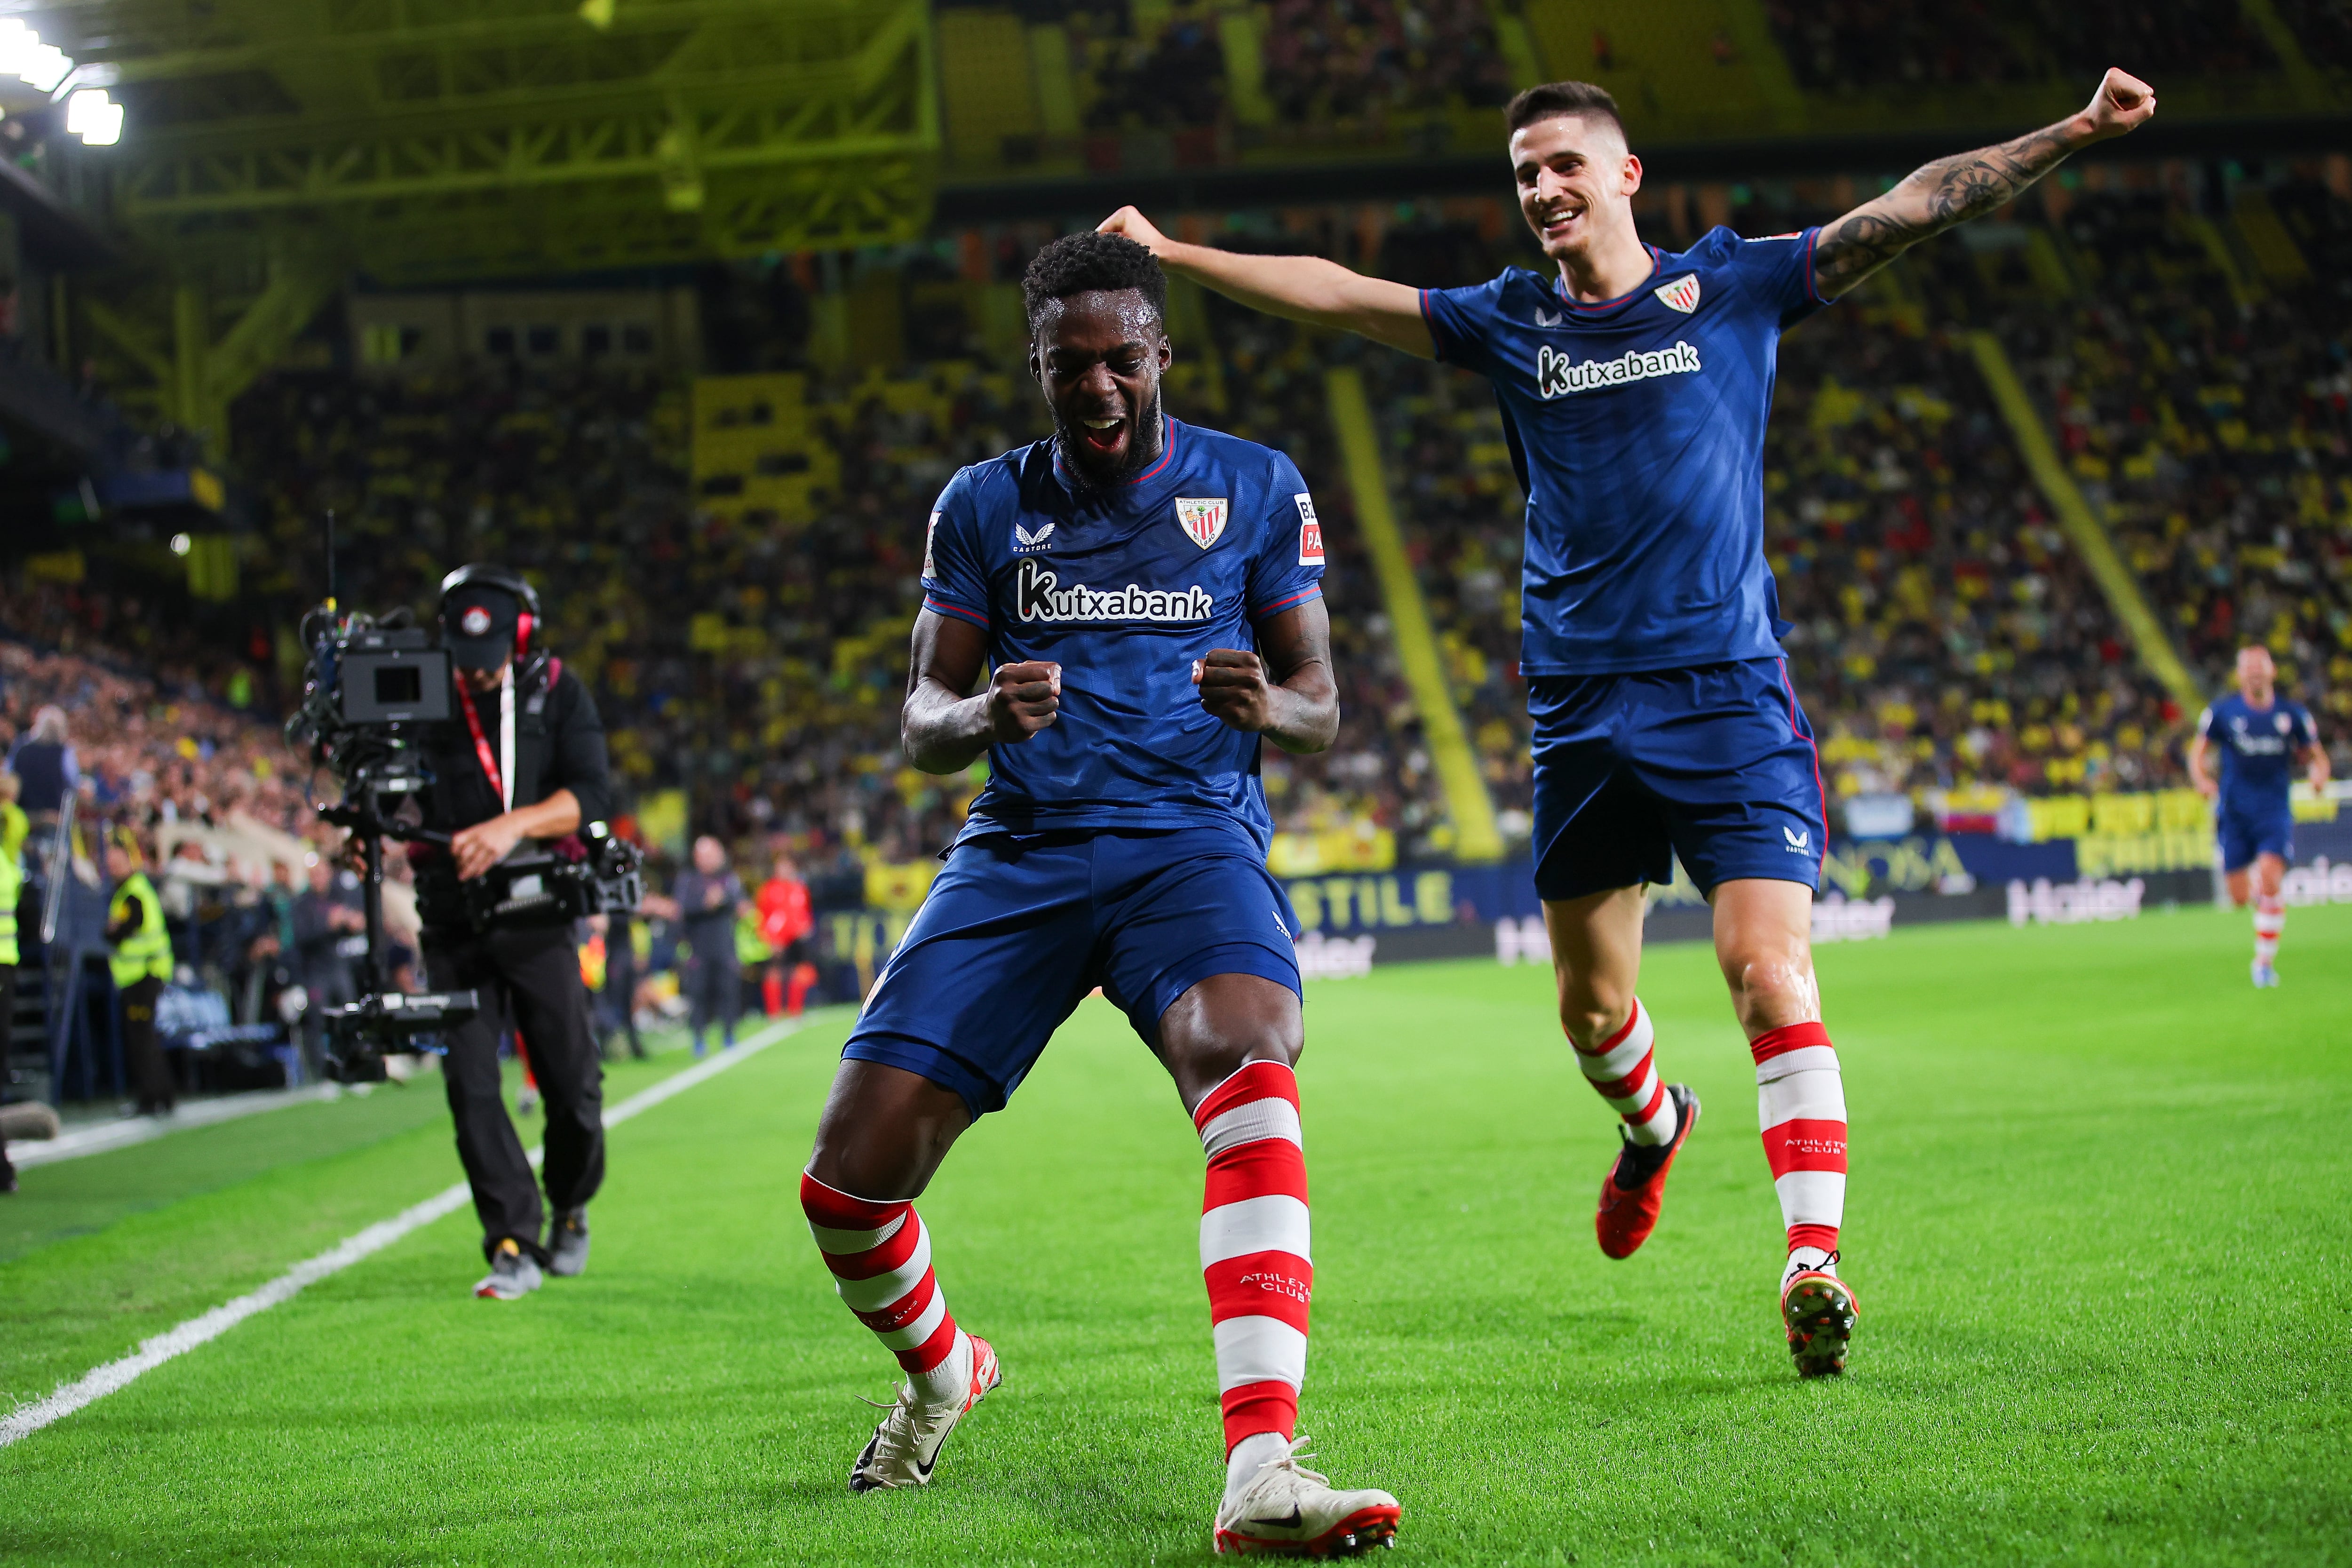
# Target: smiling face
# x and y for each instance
(1099, 356)
(1576, 183)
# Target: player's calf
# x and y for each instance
(1800, 1105)
(880, 1256)
(1257, 1260)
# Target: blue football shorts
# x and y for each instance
(1018, 929)
(1713, 765)
(2267, 829)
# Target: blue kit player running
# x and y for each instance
(1149, 597)
(1634, 386)
(2262, 738)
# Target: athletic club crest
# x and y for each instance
(1204, 521)
(1681, 294)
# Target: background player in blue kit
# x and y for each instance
(1149, 595)
(2262, 738)
(1634, 386)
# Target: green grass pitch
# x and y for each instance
(2097, 1223)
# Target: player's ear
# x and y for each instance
(1629, 178)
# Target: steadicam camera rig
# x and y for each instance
(372, 685)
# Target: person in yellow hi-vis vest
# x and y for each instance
(142, 964)
(13, 829)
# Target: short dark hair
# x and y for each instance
(1084, 262)
(1554, 97)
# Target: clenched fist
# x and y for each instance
(1023, 698)
(1234, 687)
(2123, 103)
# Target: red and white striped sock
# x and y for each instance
(1623, 1071)
(2270, 924)
(880, 1255)
(1800, 1105)
(1254, 1252)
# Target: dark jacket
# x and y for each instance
(559, 744)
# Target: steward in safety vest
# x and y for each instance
(12, 828)
(142, 963)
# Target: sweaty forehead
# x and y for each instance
(1098, 319)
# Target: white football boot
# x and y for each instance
(1290, 1511)
(906, 1448)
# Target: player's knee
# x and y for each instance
(1772, 984)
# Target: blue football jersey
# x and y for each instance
(1637, 426)
(1125, 590)
(2258, 748)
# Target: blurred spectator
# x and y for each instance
(329, 932)
(45, 765)
(785, 924)
(706, 901)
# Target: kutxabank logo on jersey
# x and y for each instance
(1557, 376)
(1040, 597)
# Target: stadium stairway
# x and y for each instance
(2084, 529)
(1477, 836)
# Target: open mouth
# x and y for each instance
(1103, 437)
(1559, 222)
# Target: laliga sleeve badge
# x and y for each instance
(1310, 533)
(930, 529)
(1204, 521)
(1681, 294)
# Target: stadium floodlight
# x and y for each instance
(94, 117)
(43, 66)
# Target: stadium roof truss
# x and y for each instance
(438, 140)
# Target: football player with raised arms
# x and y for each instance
(1146, 597)
(1634, 386)
(2262, 738)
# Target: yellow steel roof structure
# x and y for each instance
(440, 139)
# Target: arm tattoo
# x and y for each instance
(1932, 199)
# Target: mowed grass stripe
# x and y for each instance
(202, 1329)
(115, 1248)
(2102, 1287)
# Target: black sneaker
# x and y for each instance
(567, 1244)
(514, 1274)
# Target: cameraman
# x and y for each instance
(523, 757)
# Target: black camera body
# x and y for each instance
(552, 885)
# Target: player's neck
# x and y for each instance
(2262, 704)
(1610, 268)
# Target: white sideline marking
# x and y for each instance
(92, 1387)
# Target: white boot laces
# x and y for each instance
(1287, 1465)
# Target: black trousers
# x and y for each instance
(620, 998)
(533, 977)
(151, 1075)
(714, 992)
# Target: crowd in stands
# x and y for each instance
(2205, 411)
(1321, 62)
(1346, 60)
(1849, 46)
(1378, 774)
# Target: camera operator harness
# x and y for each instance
(370, 687)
